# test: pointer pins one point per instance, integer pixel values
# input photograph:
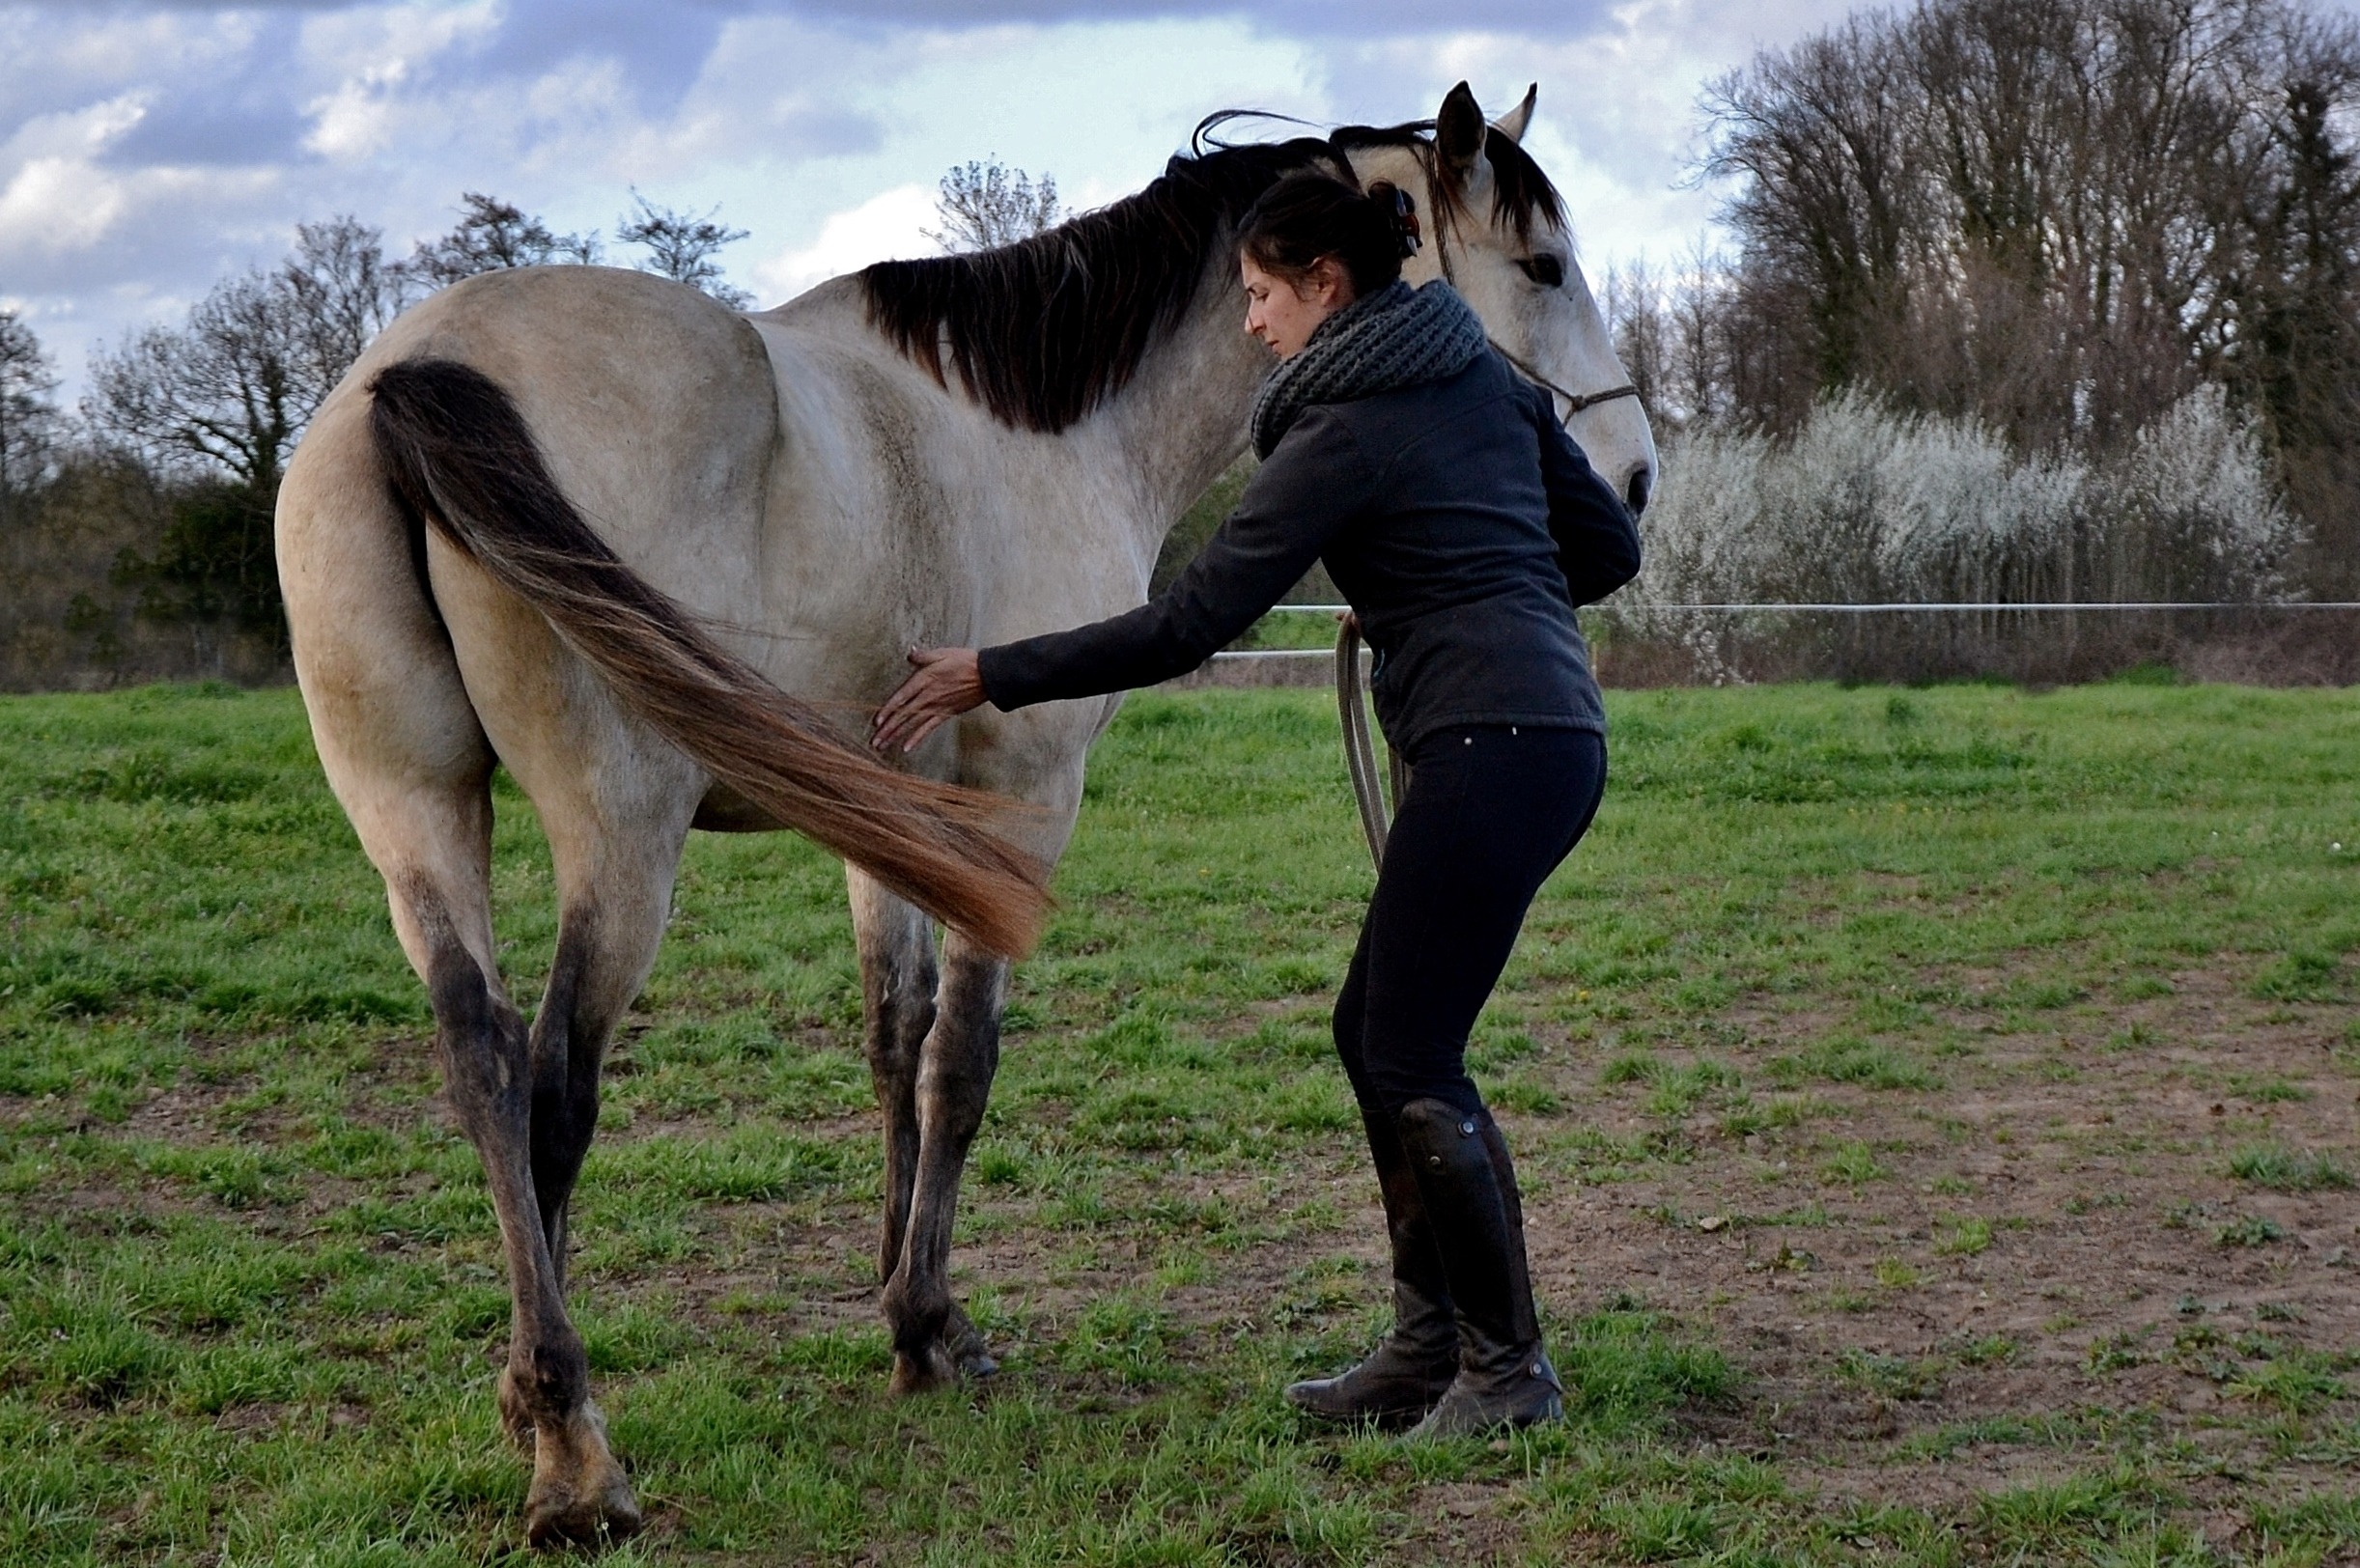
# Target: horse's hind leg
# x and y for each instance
(615, 803)
(579, 1491)
(439, 887)
(410, 761)
(615, 838)
(614, 886)
(433, 845)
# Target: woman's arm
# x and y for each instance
(1313, 481)
(1597, 540)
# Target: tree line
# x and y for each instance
(184, 429)
(140, 522)
(2053, 221)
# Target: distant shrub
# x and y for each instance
(1865, 504)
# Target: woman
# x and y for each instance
(1464, 525)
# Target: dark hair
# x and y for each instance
(1310, 214)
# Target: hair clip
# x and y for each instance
(1405, 221)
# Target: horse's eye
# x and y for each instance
(1546, 270)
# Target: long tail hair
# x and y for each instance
(460, 456)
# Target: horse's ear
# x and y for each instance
(1458, 131)
(1513, 123)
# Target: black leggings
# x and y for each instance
(1489, 813)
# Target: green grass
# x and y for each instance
(251, 1301)
(1962, 1236)
(2288, 1170)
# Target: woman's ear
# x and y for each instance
(1331, 286)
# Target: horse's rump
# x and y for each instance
(461, 457)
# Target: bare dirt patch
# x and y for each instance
(1944, 1291)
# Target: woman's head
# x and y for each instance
(1311, 245)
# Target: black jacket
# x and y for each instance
(1459, 520)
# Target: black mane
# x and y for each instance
(1042, 331)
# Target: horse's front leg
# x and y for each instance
(933, 1340)
(897, 995)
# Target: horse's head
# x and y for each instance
(1494, 228)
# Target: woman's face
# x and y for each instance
(1283, 313)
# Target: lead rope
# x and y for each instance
(1360, 747)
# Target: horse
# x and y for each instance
(594, 527)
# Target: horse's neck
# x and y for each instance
(1181, 420)
(1152, 448)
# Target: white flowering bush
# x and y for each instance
(2194, 513)
(1865, 505)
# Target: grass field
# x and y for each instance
(1937, 1109)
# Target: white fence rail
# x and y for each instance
(2069, 606)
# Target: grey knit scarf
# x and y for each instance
(1396, 337)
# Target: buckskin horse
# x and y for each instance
(593, 527)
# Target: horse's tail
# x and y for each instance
(461, 456)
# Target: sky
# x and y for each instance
(148, 149)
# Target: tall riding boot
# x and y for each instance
(1463, 1171)
(1412, 1365)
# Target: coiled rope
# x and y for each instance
(1361, 747)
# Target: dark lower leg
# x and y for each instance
(897, 996)
(579, 1491)
(960, 1058)
(567, 1051)
(1412, 1365)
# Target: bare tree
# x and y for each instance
(1636, 315)
(984, 206)
(28, 418)
(2054, 216)
(493, 234)
(682, 248)
(1828, 199)
(1700, 357)
(225, 392)
(216, 405)
(343, 293)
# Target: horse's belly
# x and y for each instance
(723, 810)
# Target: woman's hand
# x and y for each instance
(947, 683)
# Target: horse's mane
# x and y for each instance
(1041, 331)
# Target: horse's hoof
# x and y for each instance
(968, 1350)
(594, 1511)
(579, 1494)
(515, 1419)
(930, 1371)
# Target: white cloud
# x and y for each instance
(886, 227)
(392, 38)
(147, 152)
(55, 198)
(371, 56)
